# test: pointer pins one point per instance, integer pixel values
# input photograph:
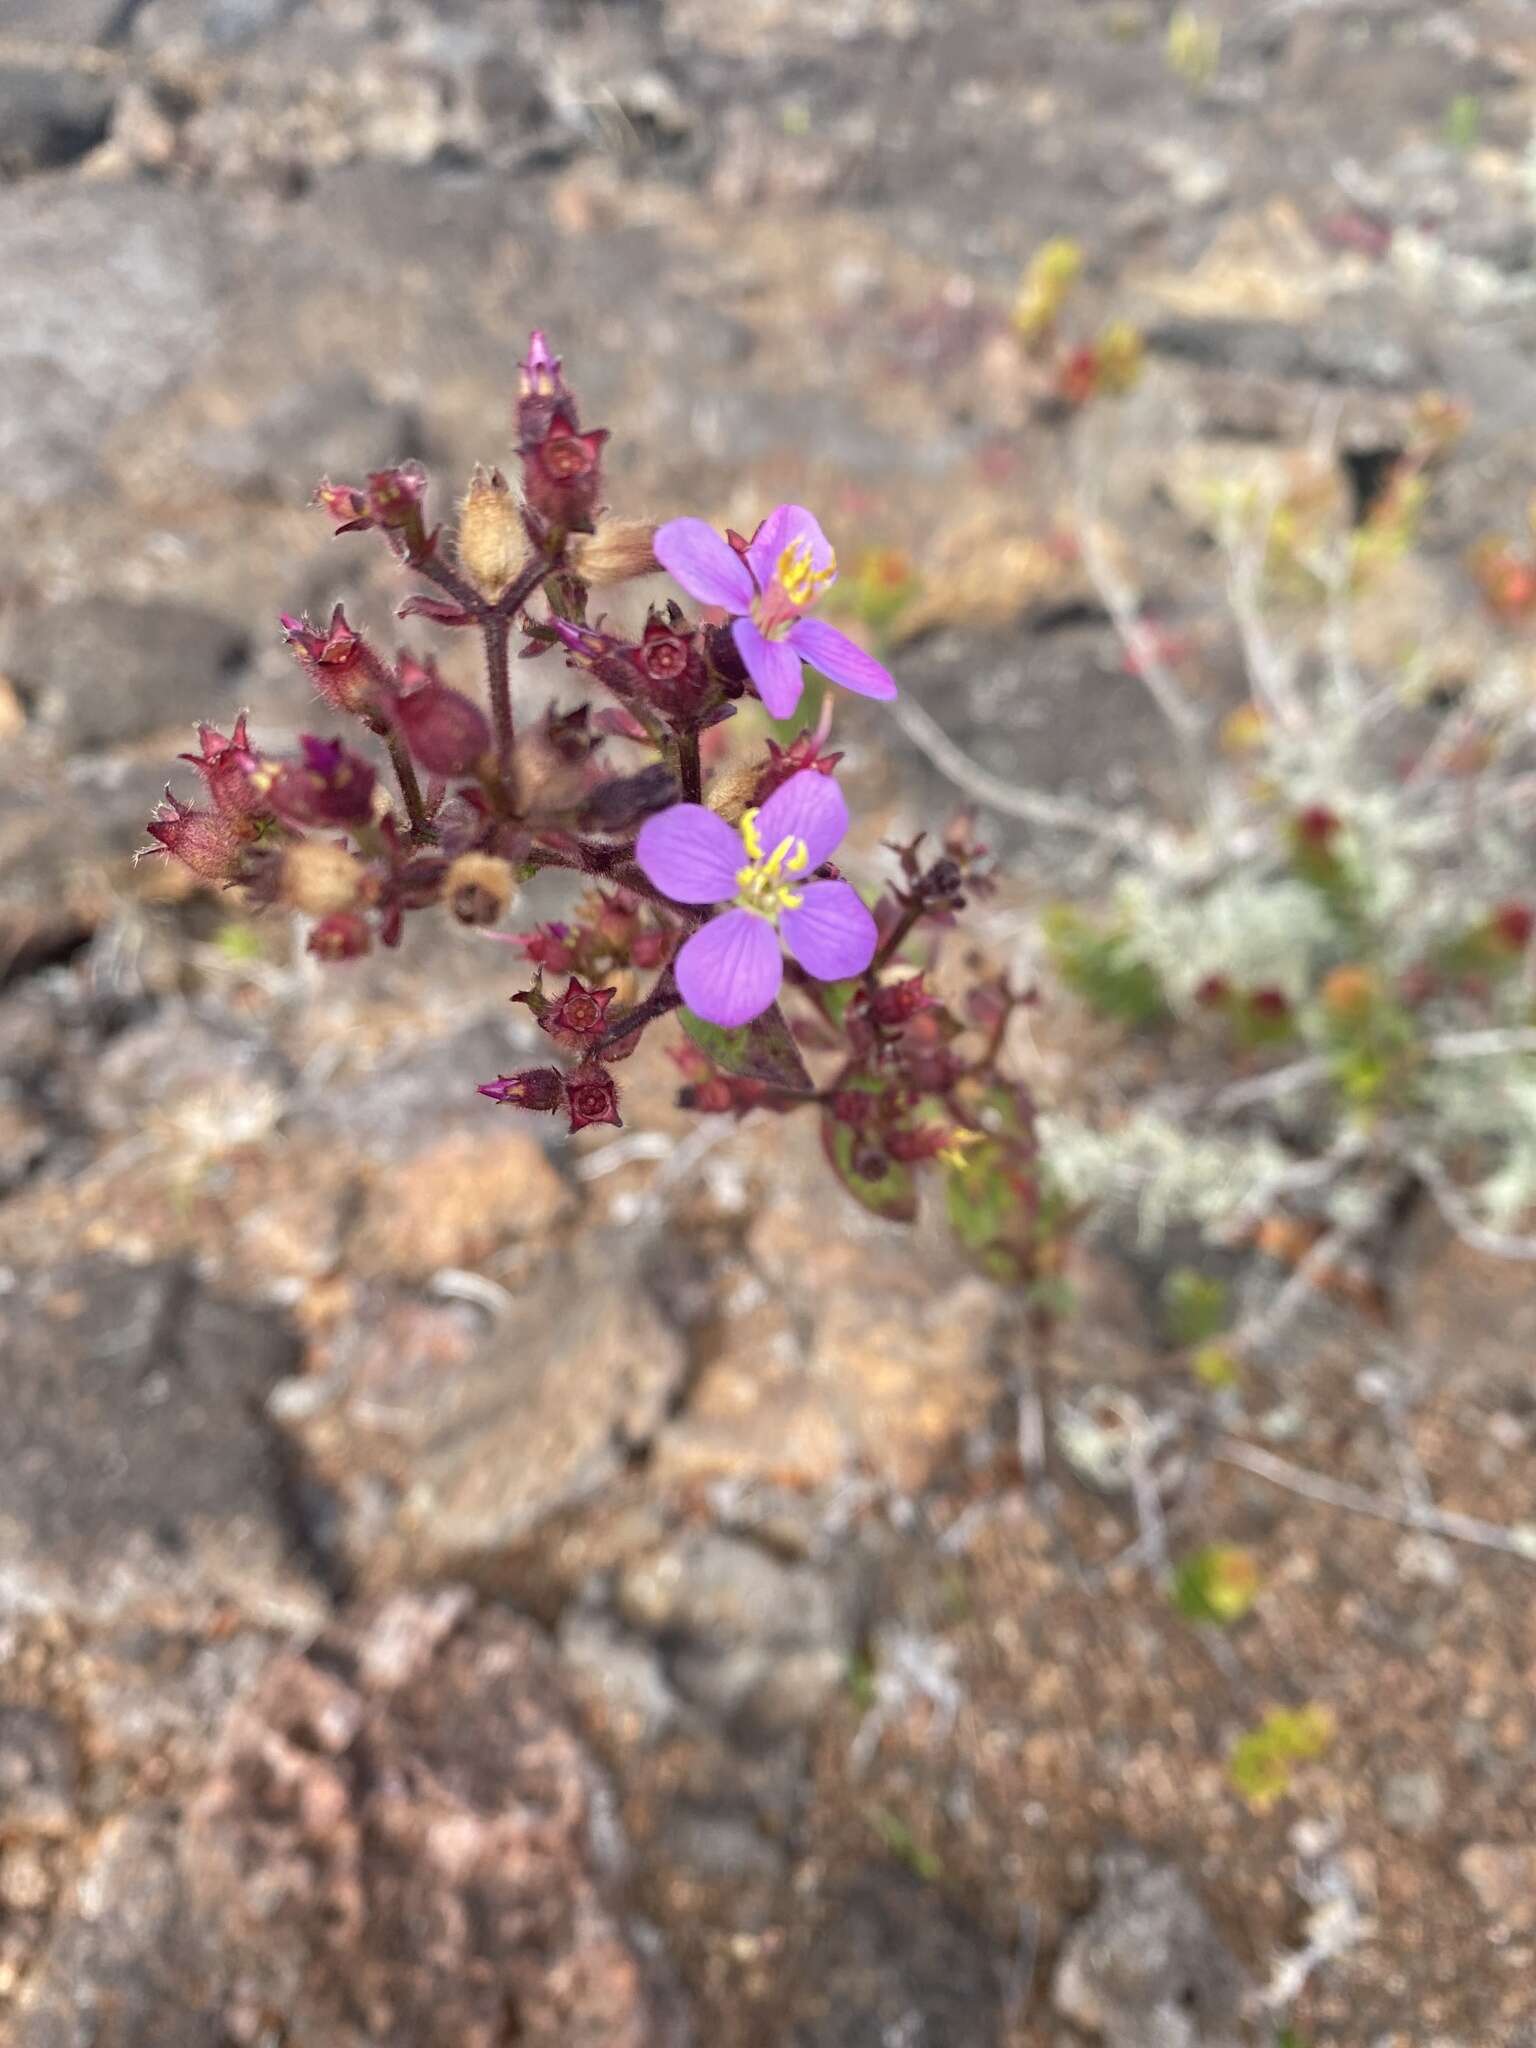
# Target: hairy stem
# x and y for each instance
(498, 671)
(410, 788)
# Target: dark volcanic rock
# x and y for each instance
(885, 1960)
(136, 1473)
(49, 117)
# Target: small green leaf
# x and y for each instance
(1216, 1584)
(1195, 1306)
(900, 1840)
(760, 1051)
(1260, 1764)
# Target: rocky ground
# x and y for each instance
(457, 1588)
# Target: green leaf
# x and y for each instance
(763, 1050)
(892, 1194)
(1195, 1306)
(1216, 1584)
(1259, 1766)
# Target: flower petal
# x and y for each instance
(707, 567)
(773, 665)
(691, 854)
(784, 525)
(832, 934)
(730, 970)
(840, 658)
(809, 806)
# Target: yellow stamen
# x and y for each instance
(797, 575)
(960, 1142)
(762, 882)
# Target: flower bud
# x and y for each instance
(211, 843)
(478, 888)
(492, 543)
(592, 1097)
(318, 878)
(619, 551)
(328, 786)
(1348, 993)
(343, 669)
(445, 731)
(537, 1088)
(541, 390)
(341, 936)
(562, 474)
(1511, 926)
(229, 768)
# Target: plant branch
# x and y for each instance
(410, 788)
(497, 627)
(690, 768)
(1338, 1493)
(663, 998)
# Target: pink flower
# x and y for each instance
(731, 968)
(769, 588)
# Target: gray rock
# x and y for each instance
(49, 117)
(38, 1772)
(1413, 1801)
(886, 1959)
(1148, 1968)
(123, 1968)
(104, 670)
(757, 1644)
(67, 24)
(110, 294)
(339, 426)
(136, 1474)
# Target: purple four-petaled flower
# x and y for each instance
(769, 588)
(729, 971)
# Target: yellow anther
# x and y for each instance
(761, 882)
(960, 1142)
(797, 575)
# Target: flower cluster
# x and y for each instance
(705, 848)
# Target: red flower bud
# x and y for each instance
(575, 1020)
(1317, 827)
(897, 1002)
(592, 1097)
(341, 936)
(1271, 1004)
(1214, 992)
(1511, 926)
(229, 768)
(538, 1088)
(342, 667)
(562, 474)
(210, 843)
(445, 731)
(329, 786)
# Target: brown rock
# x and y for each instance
(407, 1845)
(1503, 1877)
(449, 1434)
(457, 1202)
